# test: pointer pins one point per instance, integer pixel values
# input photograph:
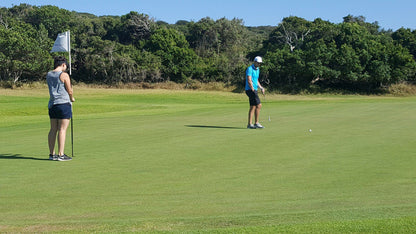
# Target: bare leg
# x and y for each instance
(63, 125)
(250, 114)
(52, 136)
(257, 113)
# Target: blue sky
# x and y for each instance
(390, 14)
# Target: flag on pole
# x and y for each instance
(63, 44)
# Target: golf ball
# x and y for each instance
(310, 130)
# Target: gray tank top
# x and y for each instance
(57, 91)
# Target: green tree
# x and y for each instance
(21, 56)
(291, 33)
(177, 58)
(135, 27)
(105, 61)
(406, 38)
(223, 45)
(203, 37)
(54, 19)
(372, 28)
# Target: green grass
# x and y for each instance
(182, 161)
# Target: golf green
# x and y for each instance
(183, 161)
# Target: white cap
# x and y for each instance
(258, 59)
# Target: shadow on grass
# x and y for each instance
(19, 156)
(208, 126)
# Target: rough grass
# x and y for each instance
(192, 85)
(182, 161)
(400, 89)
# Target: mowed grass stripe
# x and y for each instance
(196, 167)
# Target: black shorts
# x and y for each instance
(61, 111)
(253, 97)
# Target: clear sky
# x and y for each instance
(390, 14)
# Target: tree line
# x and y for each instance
(299, 54)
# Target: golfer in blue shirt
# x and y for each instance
(252, 84)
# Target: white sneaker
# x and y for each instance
(258, 125)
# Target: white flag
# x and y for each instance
(62, 43)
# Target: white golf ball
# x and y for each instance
(310, 130)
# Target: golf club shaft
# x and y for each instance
(264, 96)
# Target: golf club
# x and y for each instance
(267, 81)
(264, 95)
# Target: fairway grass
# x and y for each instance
(183, 161)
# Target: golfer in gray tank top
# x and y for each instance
(60, 107)
(57, 91)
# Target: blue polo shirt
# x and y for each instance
(254, 73)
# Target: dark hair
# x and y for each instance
(58, 61)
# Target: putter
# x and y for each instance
(267, 81)
(264, 95)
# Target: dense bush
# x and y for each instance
(299, 55)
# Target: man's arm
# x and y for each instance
(250, 83)
(261, 87)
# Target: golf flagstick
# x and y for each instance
(63, 44)
(72, 133)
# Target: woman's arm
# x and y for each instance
(67, 82)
